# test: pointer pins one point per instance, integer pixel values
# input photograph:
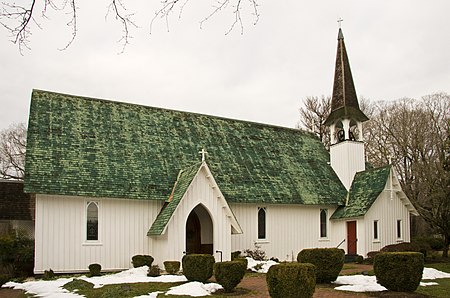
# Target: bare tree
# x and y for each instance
(313, 114)
(12, 151)
(19, 19)
(414, 136)
(315, 111)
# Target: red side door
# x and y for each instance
(351, 238)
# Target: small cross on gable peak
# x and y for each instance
(203, 152)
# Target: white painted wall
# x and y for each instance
(346, 159)
(61, 233)
(387, 211)
(290, 228)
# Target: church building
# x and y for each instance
(113, 180)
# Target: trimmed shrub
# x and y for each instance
(370, 257)
(142, 260)
(296, 280)
(198, 267)
(172, 267)
(328, 262)
(243, 260)
(235, 254)
(94, 270)
(154, 271)
(48, 275)
(359, 259)
(399, 271)
(433, 243)
(229, 274)
(406, 246)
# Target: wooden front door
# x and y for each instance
(193, 234)
(351, 238)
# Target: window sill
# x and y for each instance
(262, 241)
(376, 241)
(324, 239)
(399, 240)
(92, 244)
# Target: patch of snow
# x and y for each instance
(150, 295)
(363, 283)
(132, 275)
(194, 289)
(44, 288)
(265, 265)
(431, 273)
(358, 283)
(425, 284)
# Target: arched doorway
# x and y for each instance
(199, 231)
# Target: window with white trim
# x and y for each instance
(375, 230)
(92, 221)
(261, 223)
(323, 223)
(399, 229)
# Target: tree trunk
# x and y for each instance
(446, 243)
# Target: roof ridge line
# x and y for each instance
(177, 111)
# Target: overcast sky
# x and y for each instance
(396, 49)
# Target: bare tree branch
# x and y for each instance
(18, 19)
(22, 16)
(12, 152)
(119, 9)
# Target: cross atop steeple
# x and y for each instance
(340, 20)
(203, 152)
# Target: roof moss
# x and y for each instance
(90, 147)
(365, 189)
(185, 178)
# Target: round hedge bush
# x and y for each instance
(172, 267)
(154, 271)
(142, 260)
(243, 260)
(94, 269)
(229, 274)
(399, 271)
(291, 280)
(198, 267)
(328, 262)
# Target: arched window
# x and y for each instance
(92, 221)
(323, 223)
(261, 223)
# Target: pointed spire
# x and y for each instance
(344, 102)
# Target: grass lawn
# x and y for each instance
(134, 289)
(441, 290)
(120, 290)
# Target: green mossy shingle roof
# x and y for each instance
(365, 189)
(90, 147)
(184, 180)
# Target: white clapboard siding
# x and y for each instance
(290, 228)
(346, 159)
(387, 210)
(61, 232)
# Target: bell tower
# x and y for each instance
(345, 121)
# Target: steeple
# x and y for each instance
(345, 121)
(344, 102)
